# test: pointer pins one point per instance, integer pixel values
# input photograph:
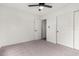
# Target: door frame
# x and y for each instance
(74, 27)
(56, 29)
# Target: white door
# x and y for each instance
(76, 39)
(51, 29)
(65, 29)
(37, 28)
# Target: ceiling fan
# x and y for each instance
(40, 5)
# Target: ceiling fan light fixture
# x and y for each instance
(41, 7)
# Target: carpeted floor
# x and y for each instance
(37, 48)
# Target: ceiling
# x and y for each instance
(34, 10)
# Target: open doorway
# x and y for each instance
(43, 30)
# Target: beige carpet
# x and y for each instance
(37, 48)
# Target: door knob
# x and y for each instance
(57, 31)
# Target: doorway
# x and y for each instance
(43, 29)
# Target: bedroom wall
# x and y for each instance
(16, 26)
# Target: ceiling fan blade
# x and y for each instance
(32, 5)
(48, 6)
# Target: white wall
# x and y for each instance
(64, 25)
(15, 26)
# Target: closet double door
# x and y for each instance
(64, 31)
(68, 29)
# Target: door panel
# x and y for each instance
(76, 43)
(65, 29)
(51, 29)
